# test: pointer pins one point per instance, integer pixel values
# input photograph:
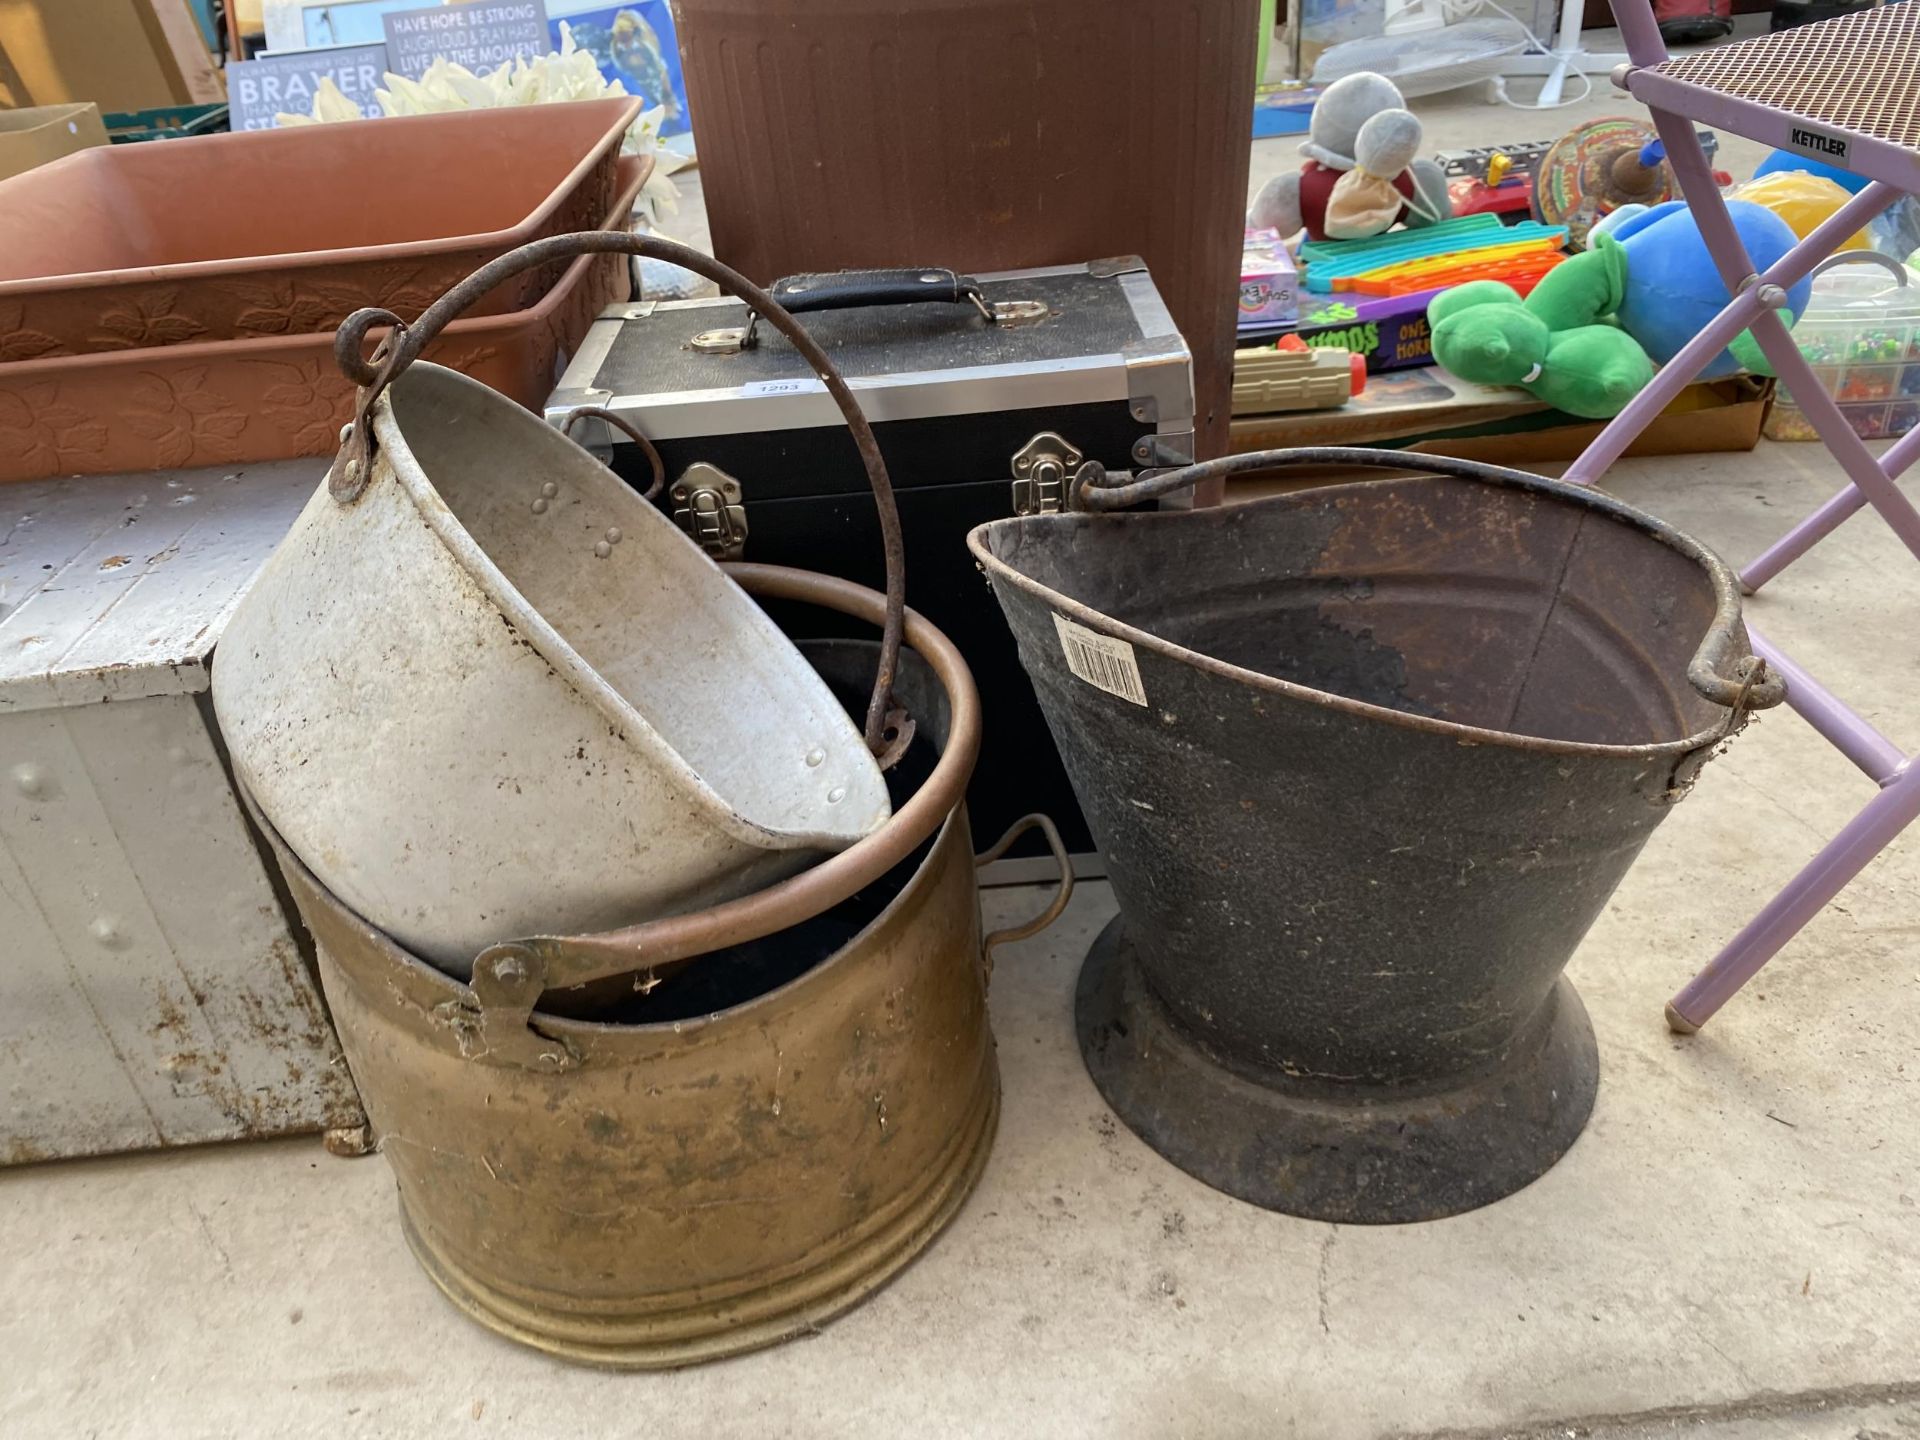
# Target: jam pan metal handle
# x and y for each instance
(402, 344)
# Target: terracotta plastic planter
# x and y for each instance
(234, 401)
(287, 232)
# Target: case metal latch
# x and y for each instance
(707, 504)
(1043, 471)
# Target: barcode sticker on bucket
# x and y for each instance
(1102, 661)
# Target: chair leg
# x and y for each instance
(1824, 521)
(1802, 538)
(1783, 917)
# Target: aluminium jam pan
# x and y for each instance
(649, 1195)
(484, 689)
(1364, 762)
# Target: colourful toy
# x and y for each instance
(1894, 231)
(1800, 198)
(1474, 247)
(1672, 288)
(1499, 179)
(1524, 155)
(1861, 333)
(1269, 284)
(1590, 335)
(1292, 375)
(1500, 193)
(1361, 177)
(1780, 162)
(1388, 332)
(1597, 167)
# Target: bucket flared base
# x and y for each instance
(674, 1332)
(1353, 1154)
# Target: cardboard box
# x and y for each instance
(120, 54)
(29, 138)
(1705, 419)
(1435, 413)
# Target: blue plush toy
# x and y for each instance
(1673, 287)
(1589, 336)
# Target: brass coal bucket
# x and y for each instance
(651, 1195)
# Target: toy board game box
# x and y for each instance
(1269, 284)
(1390, 331)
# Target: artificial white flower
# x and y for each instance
(329, 103)
(568, 74)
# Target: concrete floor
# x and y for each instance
(1730, 1250)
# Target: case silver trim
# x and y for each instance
(909, 395)
(1160, 383)
(576, 381)
(1153, 375)
(1036, 272)
(1148, 308)
(1159, 365)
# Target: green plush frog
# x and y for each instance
(1556, 348)
(1596, 326)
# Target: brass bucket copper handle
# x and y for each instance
(353, 466)
(510, 977)
(1061, 895)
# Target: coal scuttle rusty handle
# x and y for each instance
(353, 466)
(1061, 895)
(1721, 669)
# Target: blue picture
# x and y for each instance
(634, 44)
(352, 22)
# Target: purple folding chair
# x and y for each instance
(1847, 91)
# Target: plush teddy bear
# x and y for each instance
(1361, 177)
(1595, 328)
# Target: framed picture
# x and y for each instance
(633, 43)
(350, 22)
(258, 90)
(478, 35)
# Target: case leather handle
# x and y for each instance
(870, 289)
(861, 289)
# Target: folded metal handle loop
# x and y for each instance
(1063, 892)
